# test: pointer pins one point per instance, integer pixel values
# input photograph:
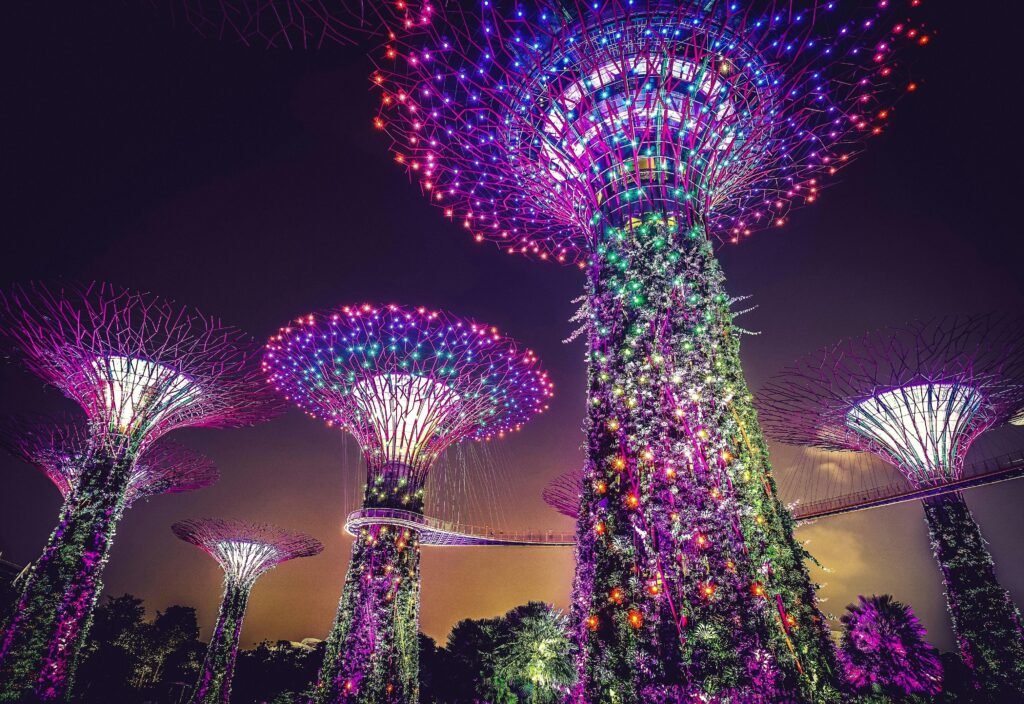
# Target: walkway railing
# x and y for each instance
(434, 531)
(989, 471)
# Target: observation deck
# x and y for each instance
(434, 531)
(990, 471)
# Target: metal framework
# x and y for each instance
(58, 447)
(564, 491)
(140, 367)
(245, 551)
(299, 24)
(407, 383)
(624, 136)
(917, 397)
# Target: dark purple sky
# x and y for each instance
(251, 185)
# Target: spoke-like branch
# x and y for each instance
(138, 365)
(246, 550)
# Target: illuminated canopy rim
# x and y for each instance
(246, 550)
(538, 124)
(393, 374)
(956, 376)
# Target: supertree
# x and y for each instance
(140, 367)
(563, 493)
(917, 397)
(884, 650)
(300, 24)
(625, 136)
(407, 384)
(58, 447)
(245, 551)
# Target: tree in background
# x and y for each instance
(535, 659)
(885, 653)
(129, 659)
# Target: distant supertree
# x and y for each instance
(563, 493)
(917, 397)
(406, 383)
(140, 367)
(299, 24)
(884, 650)
(58, 447)
(244, 551)
(625, 136)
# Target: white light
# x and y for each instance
(920, 427)
(406, 412)
(138, 393)
(245, 561)
(1018, 419)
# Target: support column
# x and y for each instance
(44, 636)
(986, 622)
(214, 686)
(689, 581)
(372, 653)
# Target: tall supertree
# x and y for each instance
(58, 447)
(245, 551)
(140, 367)
(917, 397)
(884, 651)
(407, 384)
(626, 136)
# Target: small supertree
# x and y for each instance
(626, 136)
(140, 367)
(563, 493)
(58, 447)
(407, 384)
(884, 650)
(299, 24)
(245, 551)
(917, 397)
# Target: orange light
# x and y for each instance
(593, 622)
(636, 619)
(599, 528)
(632, 501)
(616, 595)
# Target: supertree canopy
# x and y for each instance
(406, 383)
(884, 650)
(58, 447)
(244, 551)
(624, 136)
(140, 367)
(300, 24)
(564, 491)
(917, 397)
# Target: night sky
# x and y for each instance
(251, 185)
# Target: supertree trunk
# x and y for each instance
(214, 686)
(373, 651)
(986, 622)
(689, 580)
(48, 627)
